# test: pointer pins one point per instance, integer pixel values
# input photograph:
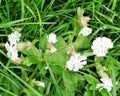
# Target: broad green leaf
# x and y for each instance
(70, 82)
(56, 58)
(29, 60)
(56, 69)
(61, 45)
(33, 56)
(81, 42)
(59, 57)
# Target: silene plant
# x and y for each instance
(66, 63)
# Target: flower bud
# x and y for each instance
(49, 45)
(28, 44)
(2, 44)
(70, 50)
(41, 84)
(83, 20)
(17, 60)
(20, 46)
(23, 45)
(38, 83)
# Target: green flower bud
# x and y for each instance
(23, 45)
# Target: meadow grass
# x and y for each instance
(38, 18)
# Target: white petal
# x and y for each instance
(39, 83)
(52, 38)
(107, 83)
(53, 49)
(101, 45)
(86, 31)
(76, 62)
(69, 65)
(14, 37)
(82, 58)
(99, 85)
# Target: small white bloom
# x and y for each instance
(12, 52)
(76, 62)
(41, 84)
(52, 38)
(101, 45)
(107, 84)
(13, 38)
(86, 31)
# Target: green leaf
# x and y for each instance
(29, 60)
(91, 80)
(33, 56)
(61, 45)
(59, 57)
(82, 42)
(70, 82)
(80, 12)
(43, 42)
(56, 58)
(56, 69)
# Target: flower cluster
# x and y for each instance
(10, 46)
(100, 47)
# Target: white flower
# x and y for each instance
(12, 53)
(86, 31)
(41, 84)
(52, 38)
(13, 38)
(76, 62)
(101, 45)
(107, 84)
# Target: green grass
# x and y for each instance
(38, 18)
